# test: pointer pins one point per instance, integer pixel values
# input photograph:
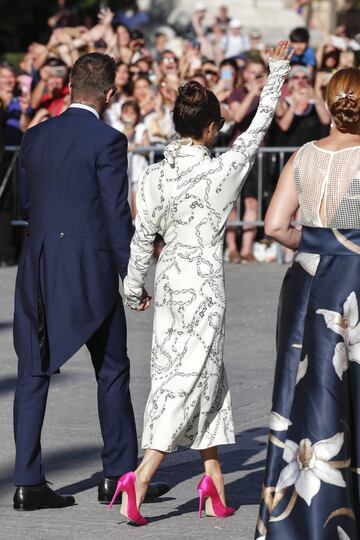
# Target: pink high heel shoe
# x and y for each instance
(207, 489)
(126, 484)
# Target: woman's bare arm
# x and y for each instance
(282, 208)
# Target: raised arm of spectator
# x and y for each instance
(322, 110)
(40, 87)
(285, 115)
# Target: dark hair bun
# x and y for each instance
(346, 111)
(195, 108)
(193, 93)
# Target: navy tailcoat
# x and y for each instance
(74, 168)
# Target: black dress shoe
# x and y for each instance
(40, 496)
(107, 488)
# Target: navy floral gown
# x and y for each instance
(311, 485)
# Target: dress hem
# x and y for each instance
(160, 448)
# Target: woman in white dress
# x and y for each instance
(187, 198)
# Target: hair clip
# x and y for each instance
(344, 95)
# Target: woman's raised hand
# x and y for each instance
(282, 51)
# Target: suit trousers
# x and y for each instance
(107, 347)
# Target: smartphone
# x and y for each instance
(227, 76)
(58, 71)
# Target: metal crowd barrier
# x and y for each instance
(279, 153)
(155, 153)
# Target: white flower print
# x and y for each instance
(342, 534)
(348, 327)
(302, 369)
(307, 466)
(278, 422)
(309, 261)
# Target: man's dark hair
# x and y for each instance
(300, 35)
(92, 76)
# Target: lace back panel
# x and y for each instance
(328, 186)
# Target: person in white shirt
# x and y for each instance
(234, 42)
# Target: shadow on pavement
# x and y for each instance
(241, 458)
(5, 326)
(245, 490)
(8, 383)
(59, 460)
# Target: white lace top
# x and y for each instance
(328, 186)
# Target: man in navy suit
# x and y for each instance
(74, 169)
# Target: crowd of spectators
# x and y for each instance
(215, 50)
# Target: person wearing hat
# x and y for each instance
(234, 42)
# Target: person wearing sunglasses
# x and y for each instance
(168, 63)
(187, 198)
(302, 115)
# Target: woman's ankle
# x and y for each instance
(215, 474)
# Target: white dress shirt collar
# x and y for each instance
(86, 107)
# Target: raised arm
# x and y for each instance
(279, 65)
(236, 163)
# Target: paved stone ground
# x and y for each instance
(71, 437)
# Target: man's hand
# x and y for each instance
(145, 301)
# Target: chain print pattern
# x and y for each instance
(187, 198)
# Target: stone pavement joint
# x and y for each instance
(72, 442)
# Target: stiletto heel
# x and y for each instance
(117, 491)
(201, 501)
(129, 509)
(207, 489)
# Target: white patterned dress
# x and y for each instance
(187, 198)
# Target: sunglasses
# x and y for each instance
(299, 78)
(168, 60)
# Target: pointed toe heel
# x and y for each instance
(129, 509)
(207, 490)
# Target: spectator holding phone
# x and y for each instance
(52, 90)
(301, 116)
